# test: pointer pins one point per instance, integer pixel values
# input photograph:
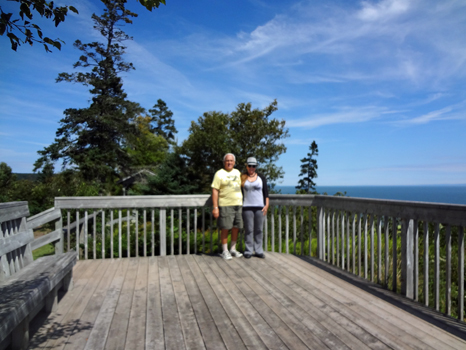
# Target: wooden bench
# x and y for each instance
(27, 286)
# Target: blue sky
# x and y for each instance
(379, 85)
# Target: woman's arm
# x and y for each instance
(264, 209)
(265, 193)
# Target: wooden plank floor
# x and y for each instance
(203, 302)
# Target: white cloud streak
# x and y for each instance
(343, 116)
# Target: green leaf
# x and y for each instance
(72, 8)
(6, 16)
(24, 9)
(57, 45)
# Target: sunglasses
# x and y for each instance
(251, 166)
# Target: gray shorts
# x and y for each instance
(230, 217)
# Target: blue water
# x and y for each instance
(452, 194)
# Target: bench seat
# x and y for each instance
(25, 293)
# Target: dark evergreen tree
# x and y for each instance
(93, 139)
(162, 123)
(173, 177)
(308, 171)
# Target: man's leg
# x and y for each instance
(234, 237)
(224, 238)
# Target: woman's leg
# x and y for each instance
(258, 233)
(248, 221)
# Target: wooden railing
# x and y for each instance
(404, 246)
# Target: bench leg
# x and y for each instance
(68, 281)
(51, 300)
(20, 335)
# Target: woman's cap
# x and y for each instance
(251, 161)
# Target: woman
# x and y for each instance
(255, 205)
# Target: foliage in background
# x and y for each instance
(173, 176)
(146, 149)
(245, 132)
(41, 194)
(7, 178)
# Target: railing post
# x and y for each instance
(59, 245)
(320, 233)
(407, 258)
(163, 232)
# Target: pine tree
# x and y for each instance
(308, 170)
(162, 117)
(93, 139)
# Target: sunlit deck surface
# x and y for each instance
(197, 302)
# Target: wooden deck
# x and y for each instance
(203, 302)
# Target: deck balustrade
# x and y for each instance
(404, 246)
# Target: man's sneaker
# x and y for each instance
(226, 255)
(236, 253)
(261, 255)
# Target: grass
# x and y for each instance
(47, 249)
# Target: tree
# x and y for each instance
(7, 178)
(308, 171)
(162, 117)
(254, 133)
(93, 139)
(146, 149)
(13, 27)
(245, 132)
(6, 175)
(172, 177)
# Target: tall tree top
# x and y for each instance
(21, 22)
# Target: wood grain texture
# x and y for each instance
(197, 302)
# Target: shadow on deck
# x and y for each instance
(203, 302)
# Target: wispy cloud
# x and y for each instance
(385, 40)
(456, 111)
(343, 116)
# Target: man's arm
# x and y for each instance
(215, 211)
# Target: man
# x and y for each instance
(227, 200)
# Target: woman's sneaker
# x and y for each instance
(235, 253)
(226, 255)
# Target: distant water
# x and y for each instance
(452, 194)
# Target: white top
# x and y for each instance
(253, 196)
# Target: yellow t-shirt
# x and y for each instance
(228, 184)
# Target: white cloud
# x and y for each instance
(344, 115)
(377, 41)
(456, 111)
(383, 10)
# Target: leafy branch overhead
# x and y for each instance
(14, 27)
(20, 29)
